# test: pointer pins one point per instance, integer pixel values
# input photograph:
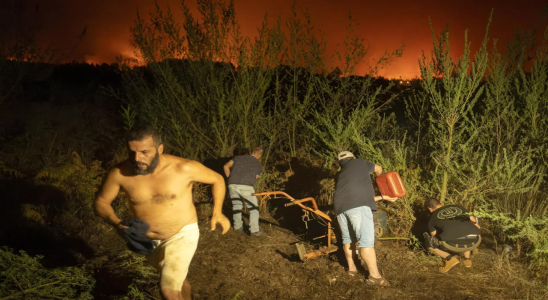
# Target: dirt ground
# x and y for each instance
(238, 266)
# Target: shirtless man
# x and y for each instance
(159, 187)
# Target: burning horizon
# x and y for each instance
(383, 26)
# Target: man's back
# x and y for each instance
(354, 187)
(245, 170)
(451, 223)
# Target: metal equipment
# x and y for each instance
(309, 212)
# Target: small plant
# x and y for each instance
(145, 278)
(528, 233)
(24, 277)
(78, 181)
(238, 295)
(327, 191)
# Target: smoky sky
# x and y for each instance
(384, 25)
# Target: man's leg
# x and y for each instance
(467, 262)
(178, 253)
(172, 295)
(237, 206)
(369, 256)
(346, 240)
(432, 245)
(348, 253)
(361, 219)
(185, 291)
(253, 206)
(449, 260)
(184, 294)
(439, 252)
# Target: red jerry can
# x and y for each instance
(390, 184)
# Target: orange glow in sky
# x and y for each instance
(384, 25)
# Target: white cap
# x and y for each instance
(345, 154)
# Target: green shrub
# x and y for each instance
(24, 277)
(530, 234)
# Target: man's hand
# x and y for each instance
(388, 198)
(475, 221)
(222, 220)
(120, 230)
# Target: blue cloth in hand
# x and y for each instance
(136, 236)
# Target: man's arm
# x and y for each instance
(103, 203)
(385, 197)
(378, 170)
(200, 173)
(431, 226)
(259, 171)
(227, 167)
(475, 221)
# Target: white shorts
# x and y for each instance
(172, 256)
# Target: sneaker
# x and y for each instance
(258, 233)
(467, 262)
(241, 229)
(453, 261)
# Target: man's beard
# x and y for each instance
(150, 167)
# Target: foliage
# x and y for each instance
(483, 137)
(469, 131)
(326, 192)
(21, 56)
(195, 89)
(238, 294)
(452, 88)
(24, 277)
(79, 182)
(529, 233)
(144, 276)
(9, 172)
(394, 156)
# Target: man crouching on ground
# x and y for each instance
(452, 231)
(159, 187)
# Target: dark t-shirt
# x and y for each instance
(451, 222)
(245, 170)
(354, 187)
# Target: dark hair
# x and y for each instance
(141, 132)
(257, 150)
(432, 203)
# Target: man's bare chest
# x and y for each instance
(159, 190)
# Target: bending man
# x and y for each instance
(159, 187)
(451, 231)
(354, 203)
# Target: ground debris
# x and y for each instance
(238, 264)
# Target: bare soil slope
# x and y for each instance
(237, 266)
